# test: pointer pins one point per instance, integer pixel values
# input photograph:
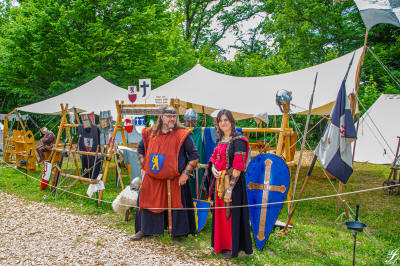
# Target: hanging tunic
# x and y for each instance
(232, 234)
(89, 140)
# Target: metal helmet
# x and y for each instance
(190, 117)
(283, 97)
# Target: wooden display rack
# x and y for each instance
(19, 148)
(131, 109)
(57, 153)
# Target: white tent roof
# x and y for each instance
(248, 96)
(378, 130)
(94, 96)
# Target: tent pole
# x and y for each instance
(204, 116)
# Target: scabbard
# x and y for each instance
(228, 210)
(169, 207)
(55, 179)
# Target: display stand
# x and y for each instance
(19, 147)
(57, 151)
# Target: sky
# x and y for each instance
(244, 28)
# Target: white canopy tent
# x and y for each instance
(206, 90)
(94, 96)
(378, 130)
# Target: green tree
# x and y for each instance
(200, 18)
(49, 46)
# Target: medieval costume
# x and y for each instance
(230, 227)
(89, 140)
(165, 157)
(47, 142)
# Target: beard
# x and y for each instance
(171, 126)
(168, 124)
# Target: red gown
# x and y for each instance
(223, 227)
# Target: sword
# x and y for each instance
(58, 169)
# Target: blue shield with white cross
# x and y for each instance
(156, 162)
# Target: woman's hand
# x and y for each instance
(216, 173)
(228, 196)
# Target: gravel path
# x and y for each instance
(35, 233)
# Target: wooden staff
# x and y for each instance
(169, 207)
(303, 144)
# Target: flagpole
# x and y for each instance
(303, 144)
(357, 87)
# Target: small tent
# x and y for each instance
(94, 96)
(378, 130)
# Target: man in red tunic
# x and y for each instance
(167, 155)
(47, 142)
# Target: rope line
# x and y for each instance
(227, 207)
(395, 79)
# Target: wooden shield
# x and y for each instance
(267, 181)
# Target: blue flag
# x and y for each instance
(334, 149)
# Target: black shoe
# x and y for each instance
(226, 254)
(138, 236)
(177, 239)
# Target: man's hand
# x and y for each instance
(183, 178)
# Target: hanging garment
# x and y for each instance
(89, 141)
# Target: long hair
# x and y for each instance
(156, 129)
(230, 118)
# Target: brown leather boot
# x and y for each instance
(138, 236)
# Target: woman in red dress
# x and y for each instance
(230, 227)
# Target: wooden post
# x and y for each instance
(111, 147)
(284, 126)
(122, 130)
(204, 116)
(284, 145)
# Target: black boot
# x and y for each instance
(138, 236)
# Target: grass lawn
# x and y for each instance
(319, 235)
